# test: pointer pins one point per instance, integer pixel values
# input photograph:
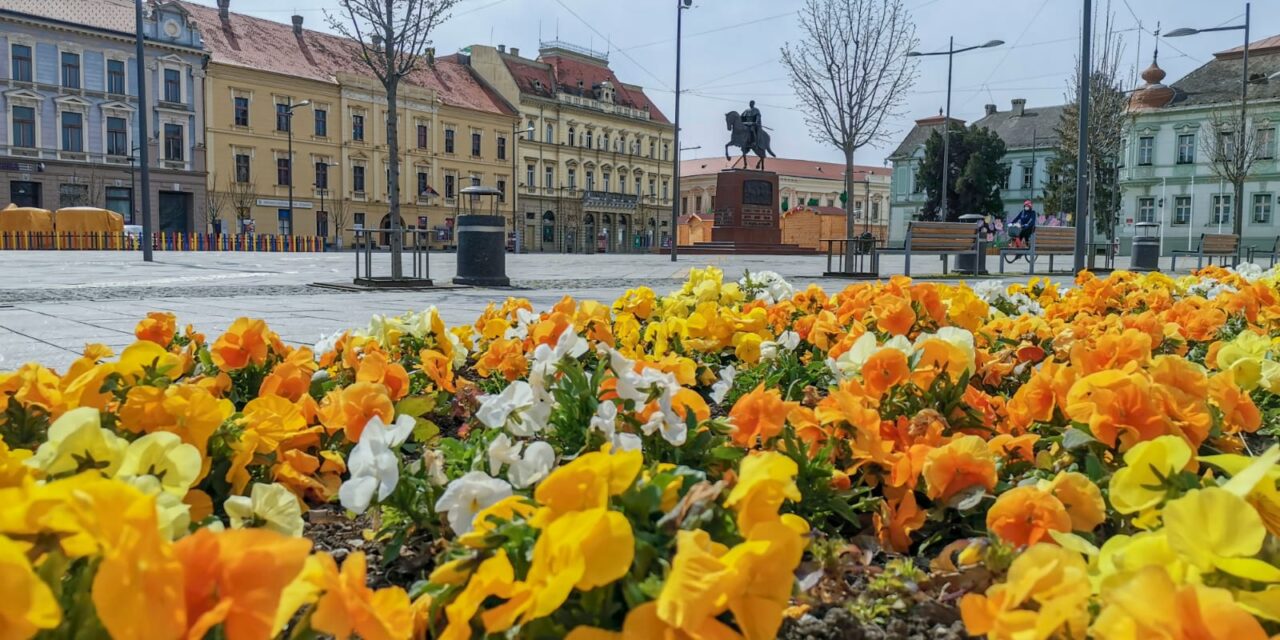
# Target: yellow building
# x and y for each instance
(594, 167)
(454, 132)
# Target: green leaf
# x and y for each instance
(1074, 438)
(416, 406)
(424, 430)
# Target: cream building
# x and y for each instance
(594, 167)
(454, 132)
(800, 183)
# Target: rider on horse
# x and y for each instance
(751, 120)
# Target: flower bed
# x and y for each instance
(731, 460)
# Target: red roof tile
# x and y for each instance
(113, 15)
(1265, 45)
(781, 166)
(270, 46)
(549, 74)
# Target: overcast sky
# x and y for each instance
(731, 51)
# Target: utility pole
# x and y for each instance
(1082, 153)
(145, 135)
(681, 5)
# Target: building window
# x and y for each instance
(475, 180)
(1182, 210)
(529, 131)
(172, 85)
(571, 134)
(72, 131)
(285, 221)
(666, 151)
(70, 70)
(422, 136)
(242, 168)
(1187, 148)
(502, 147)
(424, 189)
(528, 176)
(665, 194)
(573, 178)
(1227, 144)
(502, 190)
(1266, 143)
(450, 186)
(120, 200)
(651, 148)
(173, 142)
(549, 179)
(357, 220)
(322, 174)
(604, 141)
(115, 76)
(684, 205)
(322, 224)
(591, 180)
(697, 204)
(638, 192)
(1146, 147)
(605, 182)
(1146, 209)
(550, 135)
(73, 195)
(322, 123)
(24, 127)
(357, 179)
(1222, 208)
(25, 194)
(357, 127)
(448, 140)
(1028, 176)
(653, 188)
(588, 144)
(282, 171)
(21, 65)
(475, 144)
(1262, 208)
(282, 117)
(242, 112)
(117, 137)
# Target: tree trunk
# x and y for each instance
(393, 188)
(1237, 225)
(849, 226)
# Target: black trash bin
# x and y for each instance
(1146, 247)
(965, 261)
(482, 242)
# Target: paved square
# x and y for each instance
(52, 303)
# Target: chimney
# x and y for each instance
(502, 48)
(515, 51)
(991, 109)
(1019, 104)
(224, 8)
(297, 25)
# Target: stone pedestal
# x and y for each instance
(747, 216)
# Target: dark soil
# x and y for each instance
(331, 531)
(921, 623)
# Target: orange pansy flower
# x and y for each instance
(758, 415)
(1023, 516)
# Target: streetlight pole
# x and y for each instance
(288, 110)
(1082, 140)
(681, 5)
(515, 191)
(1237, 222)
(950, 53)
(144, 135)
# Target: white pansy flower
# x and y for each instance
(269, 506)
(771, 349)
(373, 464)
(605, 419)
(502, 451)
(623, 441)
(568, 345)
(534, 465)
(957, 337)
(496, 409)
(770, 287)
(467, 496)
(849, 363)
(789, 340)
(327, 343)
(722, 386)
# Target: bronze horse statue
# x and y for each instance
(738, 138)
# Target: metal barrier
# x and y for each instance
(160, 241)
(417, 245)
(864, 264)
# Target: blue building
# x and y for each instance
(69, 95)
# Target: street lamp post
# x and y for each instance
(950, 53)
(288, 110)
(144, 135)
(681, 5)
(515, 191)
(1237, 221)
(319, 188)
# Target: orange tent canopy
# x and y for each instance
(25, 219)
(88, 220)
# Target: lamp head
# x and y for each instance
(300, 104)
(914, 54)
(686, 4)
(1184, 31)
(992, 43)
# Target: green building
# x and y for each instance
(1168, 176)
(1029, 135)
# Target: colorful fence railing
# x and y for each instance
(91, 241)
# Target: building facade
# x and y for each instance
(69, 96)
(801, 183)
(1029, 135)
(1167, 175)
(594, 164)
(453, 132)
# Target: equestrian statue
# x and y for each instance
(748, 134)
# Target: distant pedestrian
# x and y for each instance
(1023, 226)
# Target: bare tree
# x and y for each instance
(392, 36)
(1232, 151)
(215, 201)
(851, 72)
(242, 195)
(339, 214)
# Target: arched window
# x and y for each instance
(589, 139)
(551, 134)
(529, 131)
(571, 140)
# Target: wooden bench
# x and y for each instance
(1273, 253)
(1046, 241)
(1212, 245)
(937, 238)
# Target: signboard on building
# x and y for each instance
(282, 204)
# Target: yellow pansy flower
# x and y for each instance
(77, 442)
(1141, 483)
(164, 455)
(269, 506)
(1215, 529)
(28, 604)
